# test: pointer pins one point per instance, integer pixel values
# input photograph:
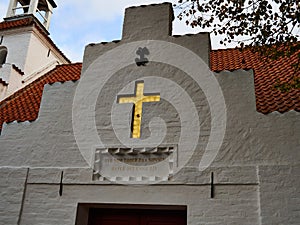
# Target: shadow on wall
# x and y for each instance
(3, 54)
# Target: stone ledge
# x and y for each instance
(187, 176)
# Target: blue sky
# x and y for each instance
(76, 23)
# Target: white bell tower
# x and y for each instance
(41, 9)
(26, 49)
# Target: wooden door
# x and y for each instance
(136, 217)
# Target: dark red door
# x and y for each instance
(136, 217)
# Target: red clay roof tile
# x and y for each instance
(5, 25)
(24, 104)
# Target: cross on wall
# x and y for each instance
(138, 99)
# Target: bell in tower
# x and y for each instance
(41, 9)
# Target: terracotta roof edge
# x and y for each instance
(27, 86)
(26, 21)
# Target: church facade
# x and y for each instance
(153, 129)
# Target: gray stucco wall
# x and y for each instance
(256, 169)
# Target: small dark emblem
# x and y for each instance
(142, 61)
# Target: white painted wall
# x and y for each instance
(15, 82)
(37, 57)
(12, 77)
(3, 89)
(28, 50)
(17, 44)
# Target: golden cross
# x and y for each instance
(138, 99)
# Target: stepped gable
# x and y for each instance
(24, 104)
(267, 73)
